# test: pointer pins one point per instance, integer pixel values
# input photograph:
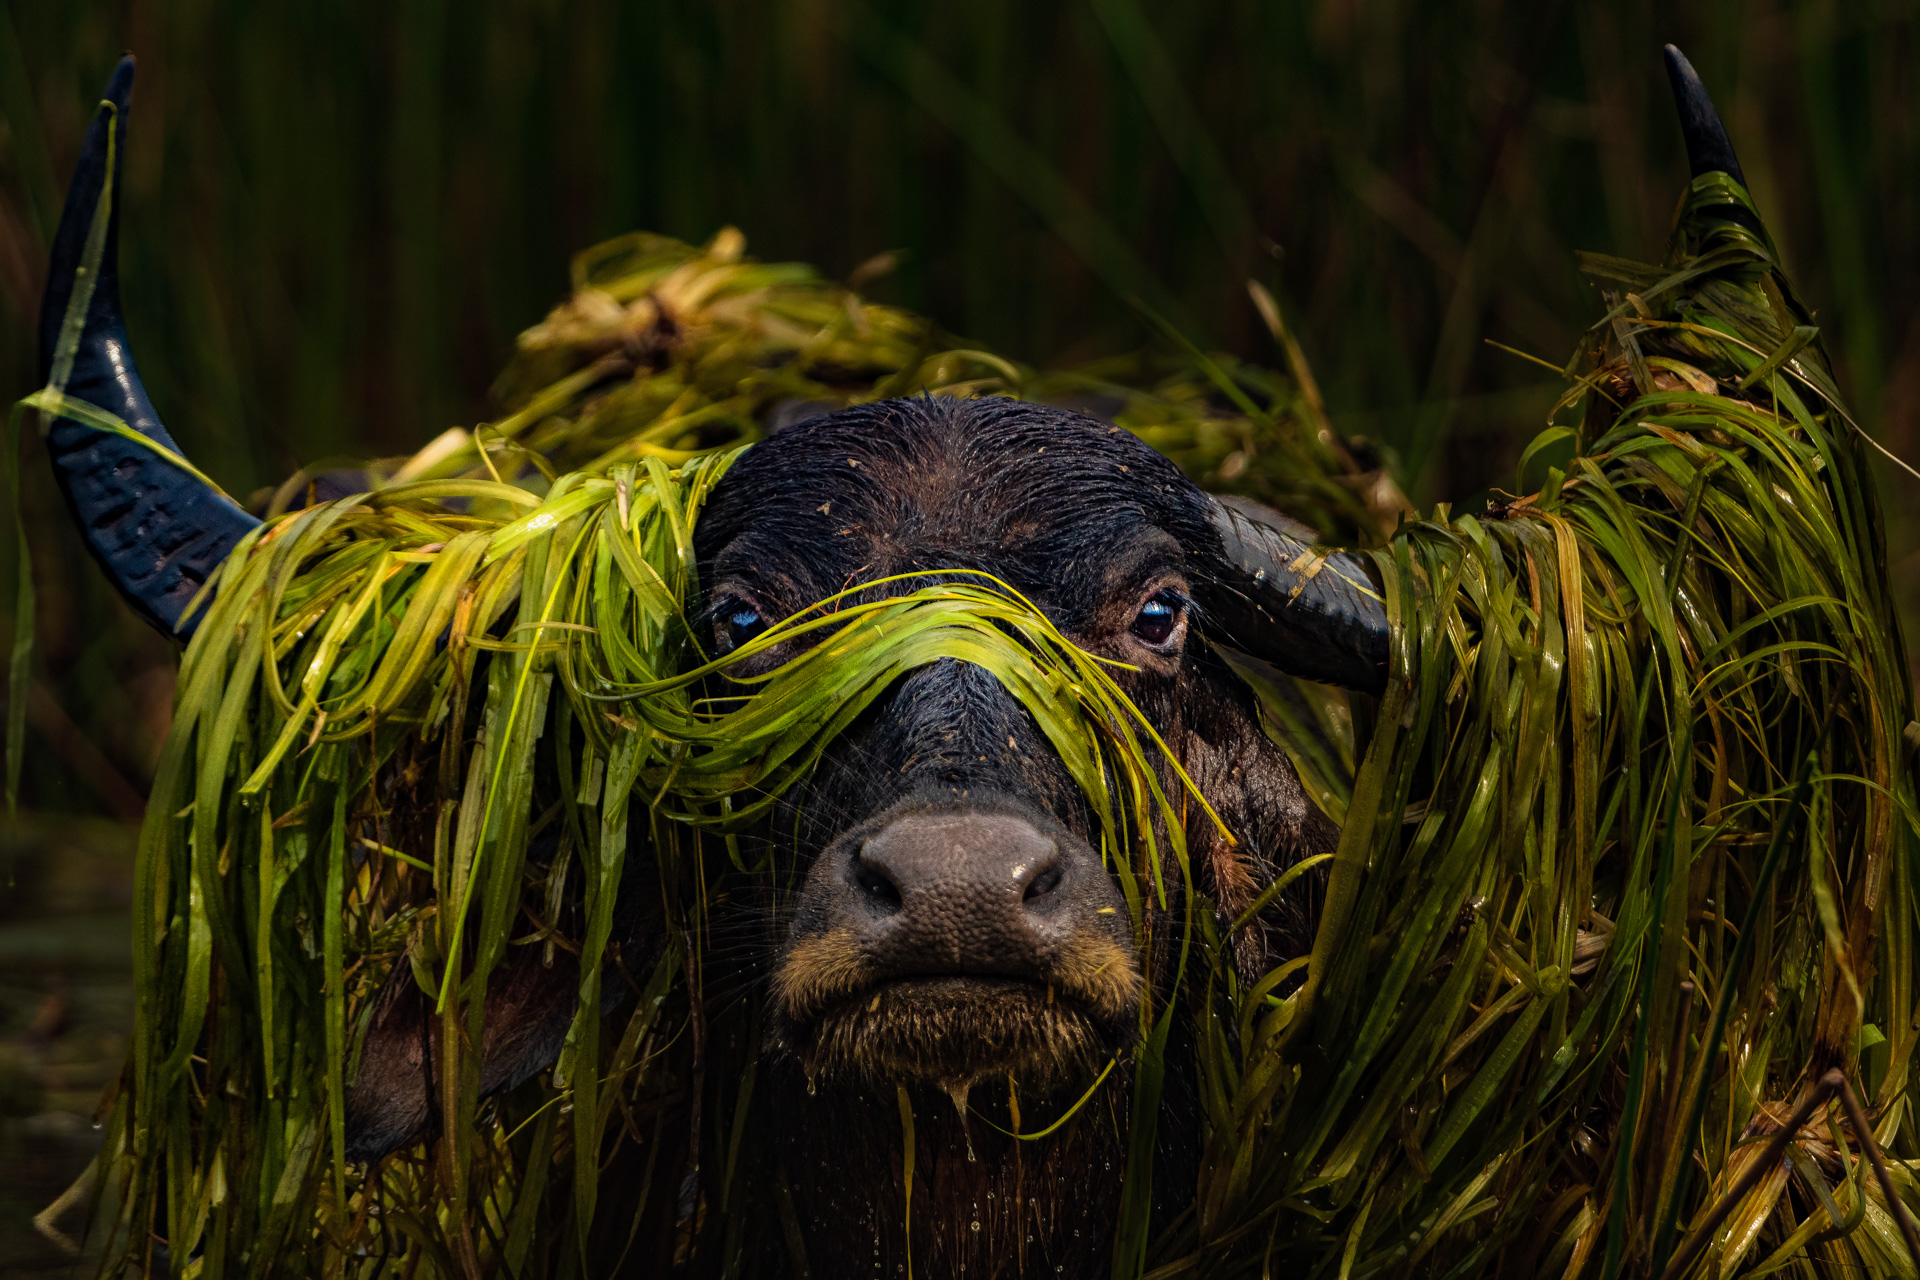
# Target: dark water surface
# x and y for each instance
(66, 1005)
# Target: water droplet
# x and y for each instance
(957, 1090)
(973, 1226)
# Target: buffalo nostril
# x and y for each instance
(1044, 883)
(878, 889)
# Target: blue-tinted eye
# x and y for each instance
(1158, 617)
(738, 623)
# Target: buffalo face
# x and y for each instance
(953, 918)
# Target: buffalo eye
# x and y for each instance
(1159, 617)
(735, 623)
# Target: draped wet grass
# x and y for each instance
(1626, 862)
(1618, 702)
(669, 351)
(356, 634)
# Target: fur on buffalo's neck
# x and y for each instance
(983, 1203)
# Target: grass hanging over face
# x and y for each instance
(361, 655)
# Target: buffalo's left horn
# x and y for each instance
(159, 531)
(1318, 615)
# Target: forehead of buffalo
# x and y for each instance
(1065, 508)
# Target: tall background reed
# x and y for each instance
(339, 215)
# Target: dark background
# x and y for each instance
(339, 214)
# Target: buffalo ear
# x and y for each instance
(1253, 787)
(529, 1008)
(530, 1005)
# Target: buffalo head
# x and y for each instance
(952, 916)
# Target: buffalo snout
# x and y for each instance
(945, 942)
(979, 894)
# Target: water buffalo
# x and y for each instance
(953, 928)
(951, 942)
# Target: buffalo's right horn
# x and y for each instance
(1312, 614)
(1708, 148)
(159, 531)
(1320, 615)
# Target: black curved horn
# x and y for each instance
(1708, 148)
(160, 532)
(1327, 624)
